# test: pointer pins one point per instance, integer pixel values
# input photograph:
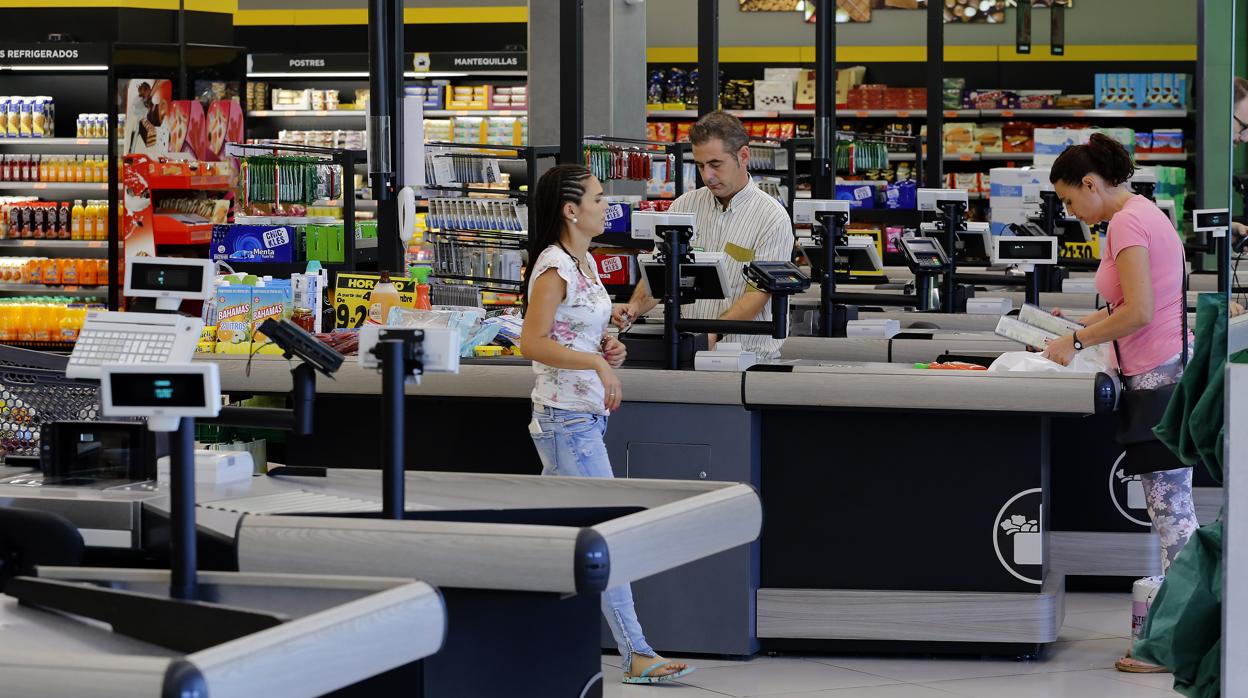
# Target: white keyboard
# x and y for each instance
(132, 338)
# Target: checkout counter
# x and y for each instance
(792, 434)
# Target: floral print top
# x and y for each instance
(580, 324)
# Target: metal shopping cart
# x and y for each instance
(34, 391)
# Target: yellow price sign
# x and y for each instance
(1081, 250)
(353, 297)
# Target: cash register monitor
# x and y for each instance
(858, 257)
(169, 279)
(973, 244)
(646, 223)
(163, 393)
(1013, 249)
(707, 276)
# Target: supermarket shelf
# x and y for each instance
(1087, 113)
(999, 157)
(39, 143)
(83, 248)
(477, 190)
(49, 346)
(360, 113)
(190, 182)
(949, 113)
(171, 231)
(53, 186)
(44, 290)
(1162, 157)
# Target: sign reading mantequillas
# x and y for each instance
(424, 62)
(53, 55)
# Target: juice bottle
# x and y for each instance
(76, 216)
(101, 272)
(383, 297)
(51, 272)
(25, 323)
(101, 225)
(69, 272)
(40, 318)
(87, 270)
(65, 327)
(7, 332)
(63, 218)
(90, 214)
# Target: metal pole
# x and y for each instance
(184, 89)
(183, 578)
(824, 156)
(935, 95)
(671, 297)
(708, 56)
(391, 353)
(383, 86)
(571, 82)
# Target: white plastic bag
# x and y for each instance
(1086, 361)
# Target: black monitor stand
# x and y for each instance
(673, 250)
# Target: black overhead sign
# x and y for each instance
(358, 62)
(53, 55)
(307, 63)
(470, 62)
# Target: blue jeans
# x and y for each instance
(570, 445)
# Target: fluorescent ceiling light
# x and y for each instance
(57, 67)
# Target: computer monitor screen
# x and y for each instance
(160, 390)
(157, 390)
(706, 277)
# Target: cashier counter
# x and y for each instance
(801, 433)
(508, 553)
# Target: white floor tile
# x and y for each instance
(1083, 601)
(1060, 656)
(1072, 684)
(1161, 682)
(1116, 623)
(1069, 633)
(897, 690)
(780, 675)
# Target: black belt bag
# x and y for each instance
(1141, 410)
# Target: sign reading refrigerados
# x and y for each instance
(51, 54)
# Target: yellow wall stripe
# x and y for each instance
(1120, 52)
(494, 14)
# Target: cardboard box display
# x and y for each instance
(773, 95)
(1167, 140)
(1050, 142)
(615, 269)
(990, 138)
(959, 138)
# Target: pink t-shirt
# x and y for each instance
(1141, 223)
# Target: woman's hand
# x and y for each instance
(611, 388)
(1057, 312)
(1061, 350)
(613, 351)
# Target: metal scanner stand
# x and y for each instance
(673, 250)
(834, 311)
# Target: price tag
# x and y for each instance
(966, 157)
(28, 243)
(1131, 112)
(1080, 250)
(862, 114)
(353, 294)
(951, 115)
(1079, 113)
(40, 185)
(83, 141)
(903, 115)
(1007, 113)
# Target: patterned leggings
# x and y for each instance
(1168, 493)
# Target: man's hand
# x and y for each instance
(1239, 231)
(624, 315)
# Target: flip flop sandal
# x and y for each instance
(646, 678)
(1131, 665)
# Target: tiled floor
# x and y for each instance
(1079, 665)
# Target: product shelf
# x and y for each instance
(47, 290)
(171, 231)
(22, 247)
(40, 143)
(189, 182)
(307, 113)
(948, 113)
(53, 186)
(1162, 157)
(1087, 113)
(46, 346)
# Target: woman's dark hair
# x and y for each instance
(1102, 156)
(560, 185)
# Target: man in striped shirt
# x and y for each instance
(735, 217)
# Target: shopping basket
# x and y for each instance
(34, 391)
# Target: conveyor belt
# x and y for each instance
(299, 501)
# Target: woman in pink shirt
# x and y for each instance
(1141, 277)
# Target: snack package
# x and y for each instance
(959, 138)
(233, 319)
(274, 301)
(990, 138)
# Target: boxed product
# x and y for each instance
(468, 97)
(1050, 142)
(1119, 91)
(1167, 140)
(1017, 137)
(275, 301)
(1143, 141)
(952, 92)
(959, 138)
(430, 96)
(858, 194)
(990, 138)
(619, 218)
(738, 94)
(1037, 99)
(967, 181)
(615, 269)
(291, 100)
(805, 90)
(253, 243)
(773, 95)
(233, 319)
(901, 195)
(1163, 90)
(1006, 188)
(324, 243)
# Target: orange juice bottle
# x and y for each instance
(6, 325)
(34, 271)
(51, 272)
(69, 272)
(101, 272)
(39, 322)
(87, 269)
(76, 216)
(25, 324)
